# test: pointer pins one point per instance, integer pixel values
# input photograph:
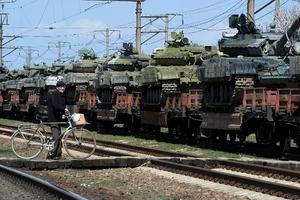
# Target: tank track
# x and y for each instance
(240, 84)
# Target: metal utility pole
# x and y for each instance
(138, 20)
(250, 10)
(28, 60)
(277, 7)
(4, 21)
(107, 34)
(138, 27)
(59, 45)
(154, 18)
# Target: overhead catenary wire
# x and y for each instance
(58, 14)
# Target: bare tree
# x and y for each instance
(286, 16)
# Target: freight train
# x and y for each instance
(249, 86)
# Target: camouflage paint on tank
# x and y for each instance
(255, 79)
(170, 84)
(118, 85)
(127, 59)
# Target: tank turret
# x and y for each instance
(128, 59)
(250, 41)
(179, 52)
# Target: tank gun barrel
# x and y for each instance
(280, 43)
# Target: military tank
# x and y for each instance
(252, 86)
(29, 90)
(79, 76)
(118, 88)
(52, 75)
(19, 91)
(3, 72)
(170, 88)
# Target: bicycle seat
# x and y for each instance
(41, 117)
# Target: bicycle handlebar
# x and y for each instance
(42, 119)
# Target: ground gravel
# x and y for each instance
(122, 183)
(127, 183)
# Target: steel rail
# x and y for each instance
(42, 184)
(292, 174)
(275, 189)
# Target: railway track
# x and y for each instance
(19, 185)
(271, 172)
(219, 171)
(241, 181)
(246, 148)
(108, 148)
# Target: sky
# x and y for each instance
(39, 25)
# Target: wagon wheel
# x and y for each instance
(195, 135)
(232, 137)
(156, 130)
(144, 128)
(136, 124)
(170, 129)
(108, 124)
(181, 130)
(212, 136)
(153, 129)
(222, 136)
(285, 144)
(242, 138)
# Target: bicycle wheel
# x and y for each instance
(79, 143)
(27, 143)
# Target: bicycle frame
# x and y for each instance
(30, 140)
(40, 128)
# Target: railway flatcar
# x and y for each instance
(253, 88)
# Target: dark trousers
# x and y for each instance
(55, 128)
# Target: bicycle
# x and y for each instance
(28, 141)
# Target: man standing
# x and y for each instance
(56, 110)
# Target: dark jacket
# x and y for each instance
(56, 106)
